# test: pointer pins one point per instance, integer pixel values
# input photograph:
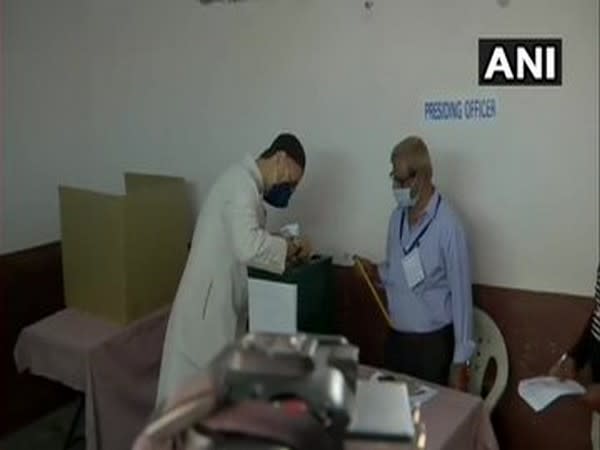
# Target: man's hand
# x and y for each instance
(299, 249)
(459, 377)
(292, 249)
(592, 397)
(564, 368)
(305, 248)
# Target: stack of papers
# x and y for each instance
(539, 392)
(421, 394)
(418, 393)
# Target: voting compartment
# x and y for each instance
(123, 255)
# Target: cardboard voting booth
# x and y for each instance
(123, 255)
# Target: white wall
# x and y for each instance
(97, 87)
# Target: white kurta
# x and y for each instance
(211, 304)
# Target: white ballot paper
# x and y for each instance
(539, 392)
(418, 393)
(272, 306)
(290, 230)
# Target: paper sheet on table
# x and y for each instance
(418, 393)
(539, 392)
(272, 306)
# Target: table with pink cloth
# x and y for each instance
(117, 368)
(454, 421)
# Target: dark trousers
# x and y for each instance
(427, 356)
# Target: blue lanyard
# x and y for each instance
(415, 242)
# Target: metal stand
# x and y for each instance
(71, 439)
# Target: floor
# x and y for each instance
(47, 433)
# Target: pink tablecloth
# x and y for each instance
(453, 421)
(116, 367)
(58, 346)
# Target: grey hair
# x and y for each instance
(416, 154)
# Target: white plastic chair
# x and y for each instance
(595, 431)
(490, 346)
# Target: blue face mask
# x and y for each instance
(279, 195)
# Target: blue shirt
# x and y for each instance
(445, 294)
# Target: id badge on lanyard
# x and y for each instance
(411, 262)
(413, 269)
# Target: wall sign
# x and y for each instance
(466, 109)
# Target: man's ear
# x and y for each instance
(418, 179)
(278, 166)
(417, 183)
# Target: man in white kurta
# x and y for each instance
(210, 308)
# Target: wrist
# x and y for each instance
(567, 356)
(461, 367)
(465, 363)
(292, 248)
(459, 376)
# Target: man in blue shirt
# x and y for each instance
(426, 276)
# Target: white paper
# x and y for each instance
(290, 230)
(413, 268)
(272, 306)
(421, 395)
(382, 409)
(418, 393)
(539, 392)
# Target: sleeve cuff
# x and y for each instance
(382, 270)
(463, 352)
(273, 260)
(279, 255)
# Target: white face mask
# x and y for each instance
(403, 197)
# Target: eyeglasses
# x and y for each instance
(401, 181)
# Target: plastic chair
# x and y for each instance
(490, 346)
(595, 431)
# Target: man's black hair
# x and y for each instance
(290, 145)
